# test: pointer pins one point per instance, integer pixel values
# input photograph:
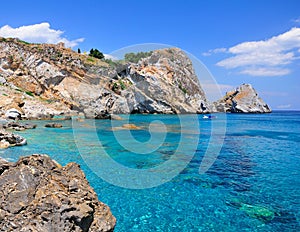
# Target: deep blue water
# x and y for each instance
(253, 185)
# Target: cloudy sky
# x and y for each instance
(255, 42)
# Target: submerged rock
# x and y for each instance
(244, 99)
(258, 212)
(255, 211)
(37, 194)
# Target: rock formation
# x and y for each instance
(37, 194)
(8, 139)
(17, 126)
(243, 99)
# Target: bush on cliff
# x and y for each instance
(96, 53)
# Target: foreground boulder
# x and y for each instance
(37, 194)
(244, 99)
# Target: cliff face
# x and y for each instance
(243, 99)
(51, 80)
(37, 194)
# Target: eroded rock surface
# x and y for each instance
(37, 194)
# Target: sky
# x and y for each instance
(242, 41)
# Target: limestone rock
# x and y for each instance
(40, 195)
(244, 99)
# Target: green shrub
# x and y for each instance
(96, 53)
(123, 86)
(29, 93)
(90, 59)
(182, 88)
(23, 42)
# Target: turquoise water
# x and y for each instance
(254, 184)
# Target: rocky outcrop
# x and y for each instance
(243, 99)
(8, 139)
(37, 194)
(164, 82)
(17, 126)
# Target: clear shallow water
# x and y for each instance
(254, 185)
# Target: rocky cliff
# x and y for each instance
(37, 194)
(50, 80)
(243, 99)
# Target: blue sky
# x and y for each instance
(255, 42)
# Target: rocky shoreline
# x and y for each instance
(38, 194)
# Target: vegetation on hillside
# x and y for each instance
(96, 53)
(135, 57)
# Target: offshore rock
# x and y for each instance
(244, 99)
(54, 125)
(40, 195)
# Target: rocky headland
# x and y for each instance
(40, 81)
(38, 194)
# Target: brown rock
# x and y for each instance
(54, 125)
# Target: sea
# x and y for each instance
(233, 172)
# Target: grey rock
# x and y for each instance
(18, 126)
(9, 139)
(40, 195)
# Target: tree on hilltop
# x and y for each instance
(96, 53)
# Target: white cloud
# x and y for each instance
(287, 106)
(296, 20)
(266, 57)
(108, 56)
(38, 33)
(266, 71)
(214, 51)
